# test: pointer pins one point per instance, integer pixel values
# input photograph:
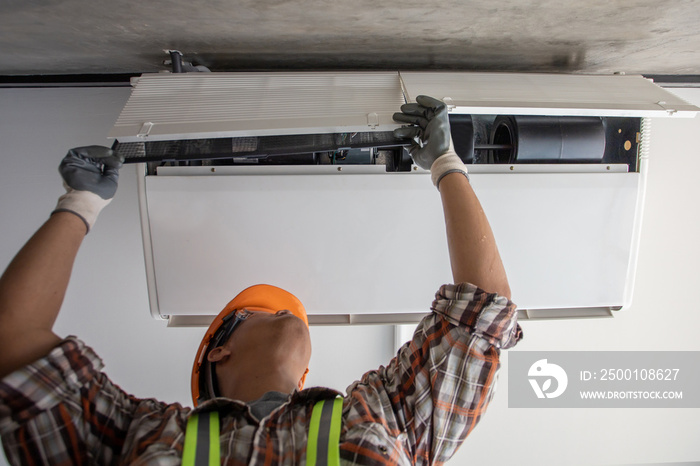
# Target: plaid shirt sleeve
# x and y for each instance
(433, 393)
(62, 410)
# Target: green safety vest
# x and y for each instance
(202, 436)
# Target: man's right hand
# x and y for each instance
(432, 147)
(90, 176)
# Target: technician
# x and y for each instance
(58, 407)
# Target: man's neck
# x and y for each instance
(254, 388)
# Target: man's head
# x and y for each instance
(260, 339)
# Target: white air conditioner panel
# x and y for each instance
(342, 244)
(547, 94)
(374, 243)
(565, 239)
(211, 105)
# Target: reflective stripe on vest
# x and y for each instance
(202, 440)
(323, 447)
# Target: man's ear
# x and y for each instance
(218, 354)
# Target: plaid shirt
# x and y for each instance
(418, 410)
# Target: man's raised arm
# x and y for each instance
(34, 284)
(474, 255)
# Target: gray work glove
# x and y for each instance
(90, 177)
(432, 147)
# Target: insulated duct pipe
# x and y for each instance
(543, 139)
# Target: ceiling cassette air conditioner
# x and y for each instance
(294, 179)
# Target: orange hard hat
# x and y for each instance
(265, 298)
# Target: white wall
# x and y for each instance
(107, 306)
